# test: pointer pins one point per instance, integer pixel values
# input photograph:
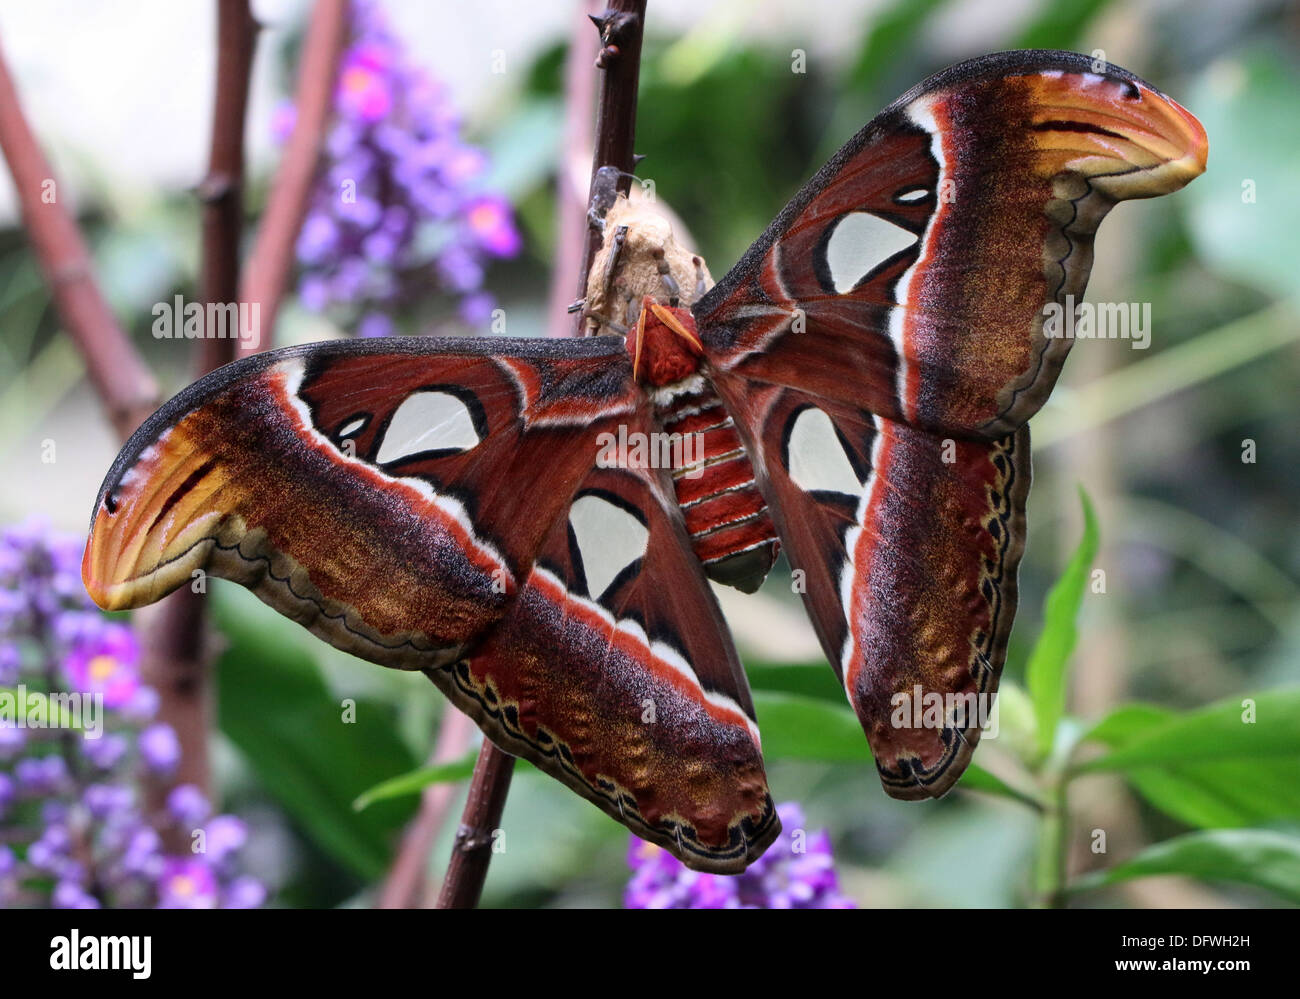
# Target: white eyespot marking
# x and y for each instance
(352, 426)
(912, 195)
(859, 244)
(428, 421)
(815, 457)
(609, 540)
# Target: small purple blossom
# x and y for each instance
(187, 805)
(73, 806)
(107, 751)
(70, 895)
(244, 893)
(159, 748)
(225, 835)
(796, 872)
(401, 206)
(187, 884)
(106, 663)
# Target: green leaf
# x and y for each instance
(1209, 768)
(803, 728)
(1244, 214)
(16, 710)
(1129, 721)
(1045, 674)
(1060, 24)
(815, 680)
(1258, 857)
(275, 707)
(1216, 733)
(417, 780)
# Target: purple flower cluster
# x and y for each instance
(796, 872)
(399, 206)
(73, 833)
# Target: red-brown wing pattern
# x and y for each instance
(360, 487)
(614, 672)
(393, 496)
(882, 345)
(906, 547)
(911, 275)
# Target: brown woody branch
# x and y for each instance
(266, 275)
(177, 655)
(621, 27)
(570, 192)
(472, 852)
(405, 885)
(222, 189)
(121, 379)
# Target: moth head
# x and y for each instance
(663, 344)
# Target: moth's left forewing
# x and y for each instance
(359, 487)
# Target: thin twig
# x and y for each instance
(122, 380)
(620, 27)
(222, 189)
(177, 656)
(570, 192)
(266, 274)
(404, 887)
(478, 834)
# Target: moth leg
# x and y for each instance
(631, 310)
(666, 276)
(577, 306)
(604, 192)
(595, 320)
(700, 288)
(615, 252)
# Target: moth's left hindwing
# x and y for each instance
(434, 504)
(615, 668)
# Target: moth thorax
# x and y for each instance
(639, 258)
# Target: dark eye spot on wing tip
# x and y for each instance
(110, 503)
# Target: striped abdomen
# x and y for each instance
(731, 532)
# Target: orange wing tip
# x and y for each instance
(119, 576)
(1131, 140)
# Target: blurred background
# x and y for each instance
(1186, 449)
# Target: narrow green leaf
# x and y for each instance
(1259, 857)
(1060, 25)
(55, 716)
(803, 728)
(815, 680)
(1213, 768)
(1045, 674)
(416, 781)
(1258, 727)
